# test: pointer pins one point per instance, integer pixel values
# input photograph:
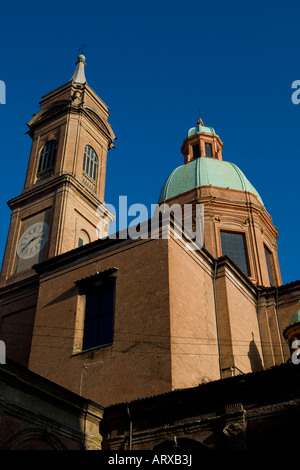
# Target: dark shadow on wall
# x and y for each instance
(72, 292)
(254, 356)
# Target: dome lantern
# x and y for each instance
(201, 141)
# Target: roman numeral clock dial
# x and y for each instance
(33, 240)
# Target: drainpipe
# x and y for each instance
(83, 444)
(277, 316)
(217, 319)
(130, 428)
(259, 328)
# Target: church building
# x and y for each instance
(117, 319)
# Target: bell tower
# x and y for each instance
(62, 204)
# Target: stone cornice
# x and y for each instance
(65, 107)
(225, 263)
(56, 397)
(82, 253)
(29, 380)
(71, 85)
(16, 287)
(39, 189)
(284, 289)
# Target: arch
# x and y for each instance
(92, 113)
(181, 443)
(90, 163)
(83, 237)
(34, 439)
(48, 111)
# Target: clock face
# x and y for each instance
(33, 240)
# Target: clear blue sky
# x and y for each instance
(155, 64)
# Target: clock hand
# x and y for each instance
(24, 247)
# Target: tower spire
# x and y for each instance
(79, 75)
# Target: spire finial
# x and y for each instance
(79, 75)
(199, 122)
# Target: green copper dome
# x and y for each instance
(206, 172)
(200, 128)
(295, 318)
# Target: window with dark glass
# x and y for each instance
(80, 241)
(90, 162)
(208, 150)
(270, 266)
(233, 245)
(99, 315)
(196, 151)
(47, 157)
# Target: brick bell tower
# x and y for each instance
(62, 204)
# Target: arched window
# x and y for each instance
(47, 156)
(90, 163)
(83, 238)
(208, 150)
